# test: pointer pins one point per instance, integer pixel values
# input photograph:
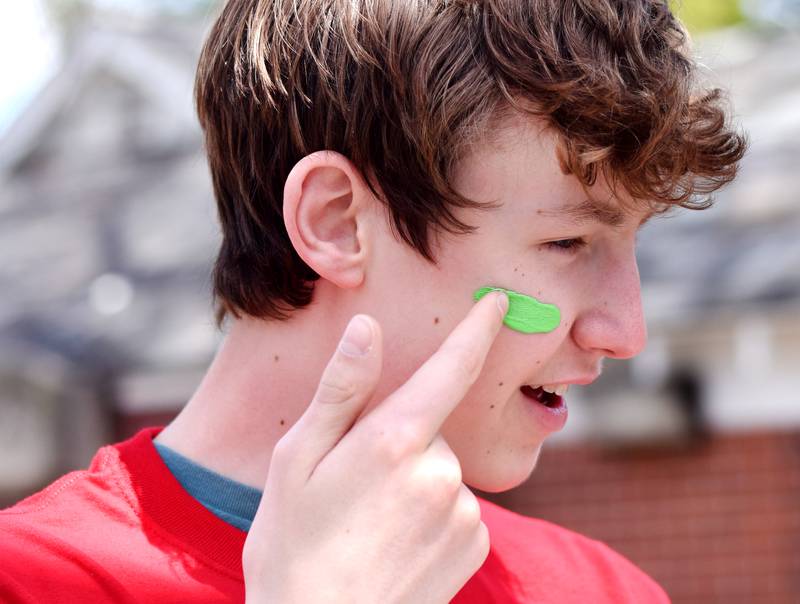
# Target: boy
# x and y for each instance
(386, 159)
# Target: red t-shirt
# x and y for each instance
(124, 530)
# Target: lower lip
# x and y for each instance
(551, 419)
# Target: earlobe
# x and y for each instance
(324, 213)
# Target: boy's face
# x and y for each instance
(590, 274)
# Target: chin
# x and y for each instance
(501, 473)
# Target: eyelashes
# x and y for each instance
(566, 246)
(575, 244)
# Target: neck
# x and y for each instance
(259, 384)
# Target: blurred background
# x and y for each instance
(685, 459)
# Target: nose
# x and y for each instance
(612, 320)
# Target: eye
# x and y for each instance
(566, 245)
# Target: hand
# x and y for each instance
(366, 509)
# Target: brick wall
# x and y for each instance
(718, 521)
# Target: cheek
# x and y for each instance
(565, 293)
(515, 358)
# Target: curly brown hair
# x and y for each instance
(403, 88)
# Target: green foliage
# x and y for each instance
(705, 15)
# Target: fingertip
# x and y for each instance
(358, 337)
(502, 303)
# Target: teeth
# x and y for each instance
(559, 389)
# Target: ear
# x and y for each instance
(325, 203)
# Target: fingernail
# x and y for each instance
(357, 339)
(502, 303)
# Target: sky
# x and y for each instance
(29, 46)
(29, 54)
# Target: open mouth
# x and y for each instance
(548, 399)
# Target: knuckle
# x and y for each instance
(395, 444)
(336, 389)
(448, 476)
(437, 482)
(282, 451)
(482, 544)
(468, 510)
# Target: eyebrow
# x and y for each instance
(593, 211)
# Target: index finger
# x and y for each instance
(425, 400)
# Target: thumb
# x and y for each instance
(346, 386)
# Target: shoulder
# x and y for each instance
(122, 531)
(74, 511)
(76, 531)
(71, 489)
(538, 552)
(108, 486)
(46, 509)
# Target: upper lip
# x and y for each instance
(581, 381)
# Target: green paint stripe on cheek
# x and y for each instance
(526, 314)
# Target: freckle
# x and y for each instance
(488, 451)
(538, 362)
(276, 357)
(523, 274)
(491, 406)
(282, 422)
(515, 270)
(500, 384)
(435, 320)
